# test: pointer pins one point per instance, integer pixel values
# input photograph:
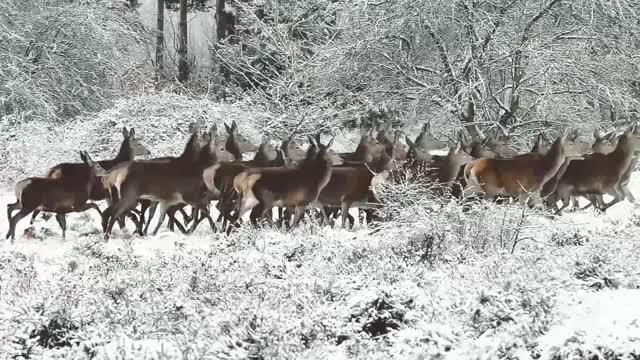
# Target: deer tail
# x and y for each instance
(467, 171)
(243, 182)
(20, 186)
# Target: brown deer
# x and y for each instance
(522, 176)
(58, 195)
(290, 153)
(600, 173)
(294, 187)
(165, 180)
(218, 153)
(266, 156)
(603, 144)
(130, 148)
(350, 186)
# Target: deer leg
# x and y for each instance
(14, 221)
(163, 212)
(206, 215)
(144, 205)
(11, 208)
(62, 221)
(153, 205)
(33, 216)
(128, 200)
(345, 213)
(627, 193)
(195, 213)
(299, 211)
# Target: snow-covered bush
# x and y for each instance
(59, 59)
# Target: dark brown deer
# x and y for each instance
(130, 148)
(294, 187)
(147, 179)
(58, 195)
(600, 173)
(521, 177)
(266, 156)
(211, 157)
(350, 186)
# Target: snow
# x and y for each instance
(608, 319)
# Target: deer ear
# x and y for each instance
(125, 132)
(234, 126)
(458, 147)
(214, 130)
(193, 128)
(228, 129)
(409, 142)
(87, 159)
(426, 127)
(330, 142)
(597, 134)
(318, 139)
(132, 133)
(311, 141)
(83, 156)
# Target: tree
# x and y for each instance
(183, 64)
(159, 39)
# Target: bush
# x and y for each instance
(59, 59)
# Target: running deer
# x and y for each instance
(294, 187)
(601, 173)
(58, 195)
(212, 156)
(604, 144)
(522, 176)
(351, 186)
(266, 156)
(130, 148)
(290, 153)
(156, 180)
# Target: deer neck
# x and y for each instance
(93, 179)
(190, 152)
(622, 155)
(232, 147)
(318, 170)
(452, 168)
(553, 160)
(124, 154)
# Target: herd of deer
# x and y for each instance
(210, 168)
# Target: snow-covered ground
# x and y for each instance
(586, 294)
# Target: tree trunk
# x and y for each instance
(159, 39)
(220, 20)
(183, 65)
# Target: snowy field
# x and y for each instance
(570, 290)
